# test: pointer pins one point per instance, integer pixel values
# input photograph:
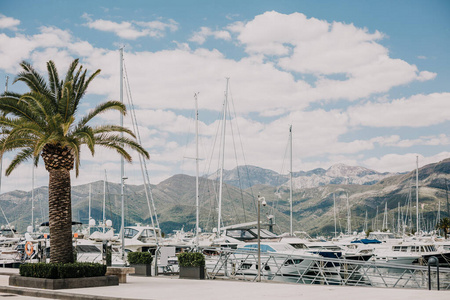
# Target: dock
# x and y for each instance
(172, 288)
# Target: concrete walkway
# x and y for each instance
(168, 288)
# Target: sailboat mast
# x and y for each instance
(417, 194)
(32, 195)
(104, 204)
(290, 176)
(349, 217)
(365, 222)
(1, 157)
(225, 106)
(334, 205)
(196, 173)
(439, 212)
(122, 178)
(446, 193)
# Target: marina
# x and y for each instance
(226, 150)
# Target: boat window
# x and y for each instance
(147, 233)
(87, 249)
(433, 248)
(249, 247)
(130, 233)
(422, 248)
(396, 248)
(299, 246)
(413, 248)
(293, 261)
(404, 248)
(254, 247)
(265, 234)
(267, 248)
(240, 234)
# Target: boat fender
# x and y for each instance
(29, 248)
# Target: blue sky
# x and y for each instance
(362, 82)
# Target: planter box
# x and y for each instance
(192, 272)
(66, 283)
(142, 270)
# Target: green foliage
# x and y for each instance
(191, 259)
(444, 224)
(58, 270)
(47, 115)
(140, 258)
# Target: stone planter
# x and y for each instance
(142, 270)
(192, 272)
(66, 283)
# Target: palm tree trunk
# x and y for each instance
(60, 216)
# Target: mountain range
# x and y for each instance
(314, 195)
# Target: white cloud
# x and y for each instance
(434, 140)
(132, 30)
(8, 22)
(15, 49)
(312, 46)
(415, 111)
(347, 62)
(402, 162)
(205, 32)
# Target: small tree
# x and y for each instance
(44, 122)
(444, 224)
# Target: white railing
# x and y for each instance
(236, 264)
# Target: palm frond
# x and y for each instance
(119, 141)
(72, 67)
(22, 156)
(86, 84)
(86, 136)
(32, 79)
(65, 101)
(18, 109)
(113, 128)
(53, 79)
(101, 108)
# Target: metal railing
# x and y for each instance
(237, 264)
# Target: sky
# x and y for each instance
(363, 83)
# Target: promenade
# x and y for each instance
(172, 288)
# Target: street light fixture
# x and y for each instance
(261, 200)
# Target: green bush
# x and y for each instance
(191, 259)
(58, 270)
(140, 258)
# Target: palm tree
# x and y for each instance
(444, 224)
(42, 122)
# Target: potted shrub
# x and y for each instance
(141, 262)
(192, 265)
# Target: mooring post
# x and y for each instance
(433, 260)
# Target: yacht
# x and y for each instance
(282, 262)
(141, 238)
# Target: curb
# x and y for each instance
(54, 294)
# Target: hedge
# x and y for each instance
(139, 258)
(59, 270)
(191, 259)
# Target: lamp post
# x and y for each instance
(261, 200)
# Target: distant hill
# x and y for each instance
(367, 190)
(248, 176)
